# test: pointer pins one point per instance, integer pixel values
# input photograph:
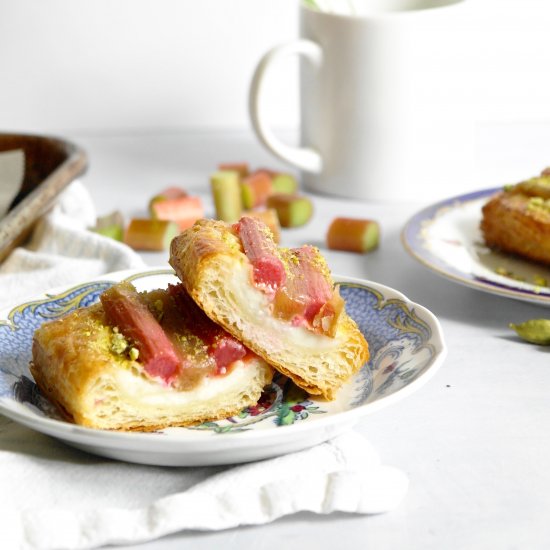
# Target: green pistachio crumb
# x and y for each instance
(119, 344)
(133, 354)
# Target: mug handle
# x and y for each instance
(304, 158)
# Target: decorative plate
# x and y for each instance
(446, 238)
(406, 346)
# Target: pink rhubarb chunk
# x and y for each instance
(267, 268)
(125, 311)
(308, 298)
(223, 347)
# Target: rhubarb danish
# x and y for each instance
(517, 219)
(144, 361)
(281, 303)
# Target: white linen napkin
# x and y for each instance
(65, 499)
(57, 497)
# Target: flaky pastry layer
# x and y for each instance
(209, 260)
(74, 369)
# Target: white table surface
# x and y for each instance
(474, 441)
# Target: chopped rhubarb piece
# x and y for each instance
(169, 193)
(223, 347)
(146, 234)
(270, 218)
(293, 210)
(111, 225)
(192, 316)
(255, 189)
(268, 271)
(284, 183)
(226, 192)
(125, 310)
(308, 298)
(353, 235)
(226, 350)
(183, 210)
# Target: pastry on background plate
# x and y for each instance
(517, 219)
(281, 303)
(144, 361)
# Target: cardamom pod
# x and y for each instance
(535, 331)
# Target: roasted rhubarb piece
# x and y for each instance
(226, 191)
(153, 235)
(221, 346)
(268, 271)
(298, 279)
(353, 235)
(184, 209)
(125, 311)
(270, 218)
(293, 210)
(308, 298)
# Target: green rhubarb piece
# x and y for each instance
(226, 191)
(115, 232)
(255, 189)
(148, 234)
(111, 225)
(248, 196)
(535, 331)
(371, 237)
(292, 210)
(284, 183)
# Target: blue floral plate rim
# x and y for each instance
(419, 335)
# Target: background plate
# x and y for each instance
(446, 238)
(406, 346)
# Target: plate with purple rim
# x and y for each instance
(406, 346)
(446, 238)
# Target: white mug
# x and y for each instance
(383, 98)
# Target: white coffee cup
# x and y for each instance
(385, 111)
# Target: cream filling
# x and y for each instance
(254, 306)
(149, 395)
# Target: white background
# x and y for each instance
(119, 65)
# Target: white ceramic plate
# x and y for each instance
(446, 238)
(406, 348)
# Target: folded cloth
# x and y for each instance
(65, 499)
(62, 252)
(56, 497)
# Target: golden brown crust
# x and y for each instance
(513, 224)
(209, 260)
(74, 368)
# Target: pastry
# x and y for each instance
(517, 220)
(281, 303)
(144, 361)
